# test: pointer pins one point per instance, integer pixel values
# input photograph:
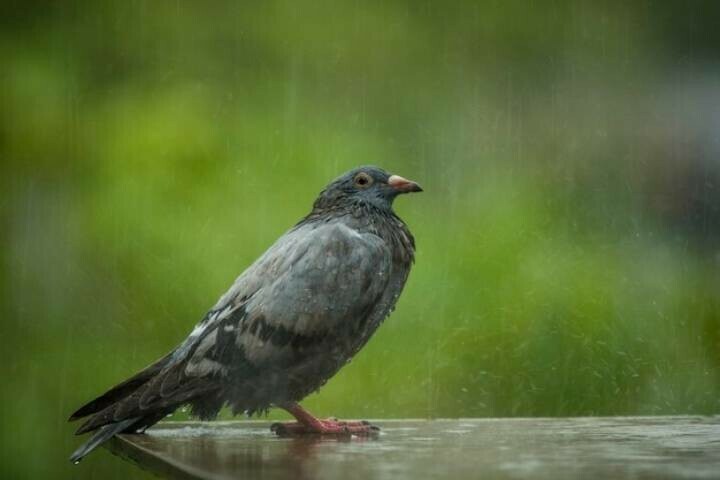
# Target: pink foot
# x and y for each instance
(325, 427)
(308, 424)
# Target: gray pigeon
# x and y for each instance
(288, 323)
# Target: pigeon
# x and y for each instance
(288, 323)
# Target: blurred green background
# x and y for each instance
(568, 237)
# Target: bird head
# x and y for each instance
(368, 184)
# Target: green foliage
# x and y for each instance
(567, 236)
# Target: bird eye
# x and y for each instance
(363, 180)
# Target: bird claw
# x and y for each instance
(329, 427)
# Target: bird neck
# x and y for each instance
(366, 217)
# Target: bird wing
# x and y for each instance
(329, 279)
(312, 284)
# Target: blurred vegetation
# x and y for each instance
(568, 258)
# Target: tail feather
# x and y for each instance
(122, 390)
(101, 410)
(143, 399)
(103, 434)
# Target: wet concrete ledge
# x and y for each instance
(517, 448)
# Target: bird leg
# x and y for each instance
(307, 423)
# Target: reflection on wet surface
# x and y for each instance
(619, 447)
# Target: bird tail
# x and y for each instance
(106, 402)
(123, 390)
(103, 434)
(139, 402)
